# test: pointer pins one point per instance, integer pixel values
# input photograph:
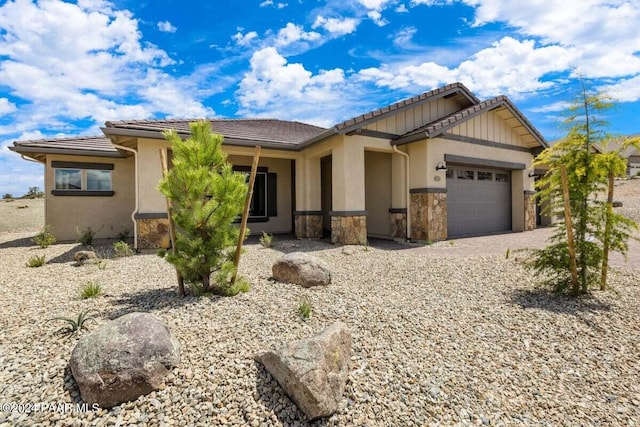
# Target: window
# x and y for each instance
(82, 179)
(464, 174)
(264, 200)
(485, 176)
(502, 177)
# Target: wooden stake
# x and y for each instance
(607, 234)
(172, 226)
(569, 225)
(245, 213)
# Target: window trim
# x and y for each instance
(83, 167)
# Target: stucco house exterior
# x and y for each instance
(439, 165)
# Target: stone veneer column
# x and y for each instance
(308, 224)
(428, 214)
(349, 228)
(529, 210)
(398, 218)
(153, 231)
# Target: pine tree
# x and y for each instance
(594, 223)
(207, 196)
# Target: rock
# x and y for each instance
(125, 358)
(617, 204)
(313, 371)
(302, 269)
(85, 257)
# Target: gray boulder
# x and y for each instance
(125, 358)
(85, 257)
(617, 204)
(302, 269)
(313, 371)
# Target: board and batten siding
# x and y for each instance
(490, 126)
(412, 118)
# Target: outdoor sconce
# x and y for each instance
(441, 166)
(532, 174)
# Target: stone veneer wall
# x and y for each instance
(398, 224)
(308, 225)
(429, 216)
(349, 230)
(529, 210)
(153, 233)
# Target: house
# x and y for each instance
(439, 165)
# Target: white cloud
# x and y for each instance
(293, 33)
(337, 27)
(245, 39)
(374, 4)
(273, 86)
(6, 106)
(508, 67)
(627, 90)
(271, 3)
(554, 107)
(87, 60)
(403, 38)
(166, 27)
(401, 8)
(377, 18)
(605, 32)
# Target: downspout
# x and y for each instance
(135, 211)
(406, 179)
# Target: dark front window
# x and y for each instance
(265, 196)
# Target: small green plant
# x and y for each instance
(44, 238)
(122, 249)
(507, 254)
(86, 236)
(102, 264)
(241, 286)
(36, 261)
(305, 309)
(90, 290)
(266, 240)
(75, 325)
(23, 206)
(123, 236)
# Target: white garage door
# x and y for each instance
(478, 201)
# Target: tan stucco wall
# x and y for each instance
(378, 193)
(107, 216)
(149, 175)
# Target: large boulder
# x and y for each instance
(302, 269)
(124, 359)
(313, 371)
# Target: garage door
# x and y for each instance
(478, 201)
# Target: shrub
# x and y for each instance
(90, 290)
(75, 325)
(305, 309)
(7, 196)
(123, 236)
(241, 285)
(44, 238)
(266, 240)
(36, 261)
(102, 264)
(86, 236)
(122, 249)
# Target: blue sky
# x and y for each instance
(67, 67)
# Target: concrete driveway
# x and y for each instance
(499, 243)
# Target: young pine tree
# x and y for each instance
(206, 196)
(593, 222)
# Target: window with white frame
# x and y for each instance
(77, 178)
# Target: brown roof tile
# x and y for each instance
(98, 144)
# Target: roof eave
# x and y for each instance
(71, 152)
(321, 136)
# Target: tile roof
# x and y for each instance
(259, 130)
(89, 144)
(450, 89)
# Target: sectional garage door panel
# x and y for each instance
(478, 201)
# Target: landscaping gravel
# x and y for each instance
(436, 341)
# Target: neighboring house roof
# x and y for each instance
(498, 103)
(98, 146)
(269, 132)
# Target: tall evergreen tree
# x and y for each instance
(207, 196)
(588, 174)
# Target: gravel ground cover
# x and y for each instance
(436, 341)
